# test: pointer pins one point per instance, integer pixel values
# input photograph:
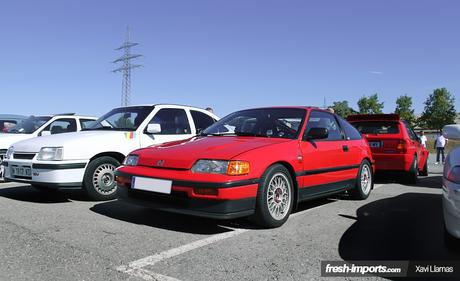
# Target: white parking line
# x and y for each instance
(136, 268)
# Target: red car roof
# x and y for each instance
(374, 117)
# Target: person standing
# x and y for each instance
(423, 139)
(440, 144)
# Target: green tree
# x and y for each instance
(404, 109)
(439, 110)
(370, 105)
(342, 109)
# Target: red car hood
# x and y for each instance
(183, 154)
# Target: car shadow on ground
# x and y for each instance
(28, 193)
(146, 216)
(406, 227)
(182, 223)
(433, 180)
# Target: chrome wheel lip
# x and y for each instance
(104, 179)
(279, 196)
(366, 179)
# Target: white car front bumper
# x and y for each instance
(58, 174)
(451, 207)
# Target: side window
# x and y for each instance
(201, 120)
(319, 119)
(173, 121)
(412, 134)
(62, 126)
(86, 123)
(351, 132)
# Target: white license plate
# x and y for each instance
(21, 171)
(374, 144)
(154, 185)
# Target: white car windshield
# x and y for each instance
(122, 119)
(264, 122)
(29, 125)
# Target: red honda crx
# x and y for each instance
(257, 162)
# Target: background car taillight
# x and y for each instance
(402, 146)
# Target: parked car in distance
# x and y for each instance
(394, 144)
(36, 126)
(9, 120)
(451, 188)
(257, 162)
(88, 158)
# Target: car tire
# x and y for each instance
(364, 182)
(275, 197)
(412, 175)
(99, 180)
(424, 172)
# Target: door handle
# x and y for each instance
(345, 148)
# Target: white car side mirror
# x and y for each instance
(153, 128)
(45, 133)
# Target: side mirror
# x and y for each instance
(153, 128)
(317, 134)
(45, 133)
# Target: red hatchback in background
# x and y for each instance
(257, 162)
(394, 144)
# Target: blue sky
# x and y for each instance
(226, 54)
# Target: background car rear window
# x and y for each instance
(350, 131)
(201, 120)
(377, 127)
(173, 121)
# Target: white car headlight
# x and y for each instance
(9, 152)
(50, 154)
(131, 160)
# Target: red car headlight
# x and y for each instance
(232, 168)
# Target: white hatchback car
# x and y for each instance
(88, 159)
(43, 125)
(451, 187)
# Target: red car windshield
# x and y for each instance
(263, 122)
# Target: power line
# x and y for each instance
(126, 67)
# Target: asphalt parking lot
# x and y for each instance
(62, 236)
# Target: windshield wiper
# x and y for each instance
(217, 134)
(99, 128)
(249, 134)
(240, 134)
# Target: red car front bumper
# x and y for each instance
(228, 199)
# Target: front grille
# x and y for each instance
(26, 156)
